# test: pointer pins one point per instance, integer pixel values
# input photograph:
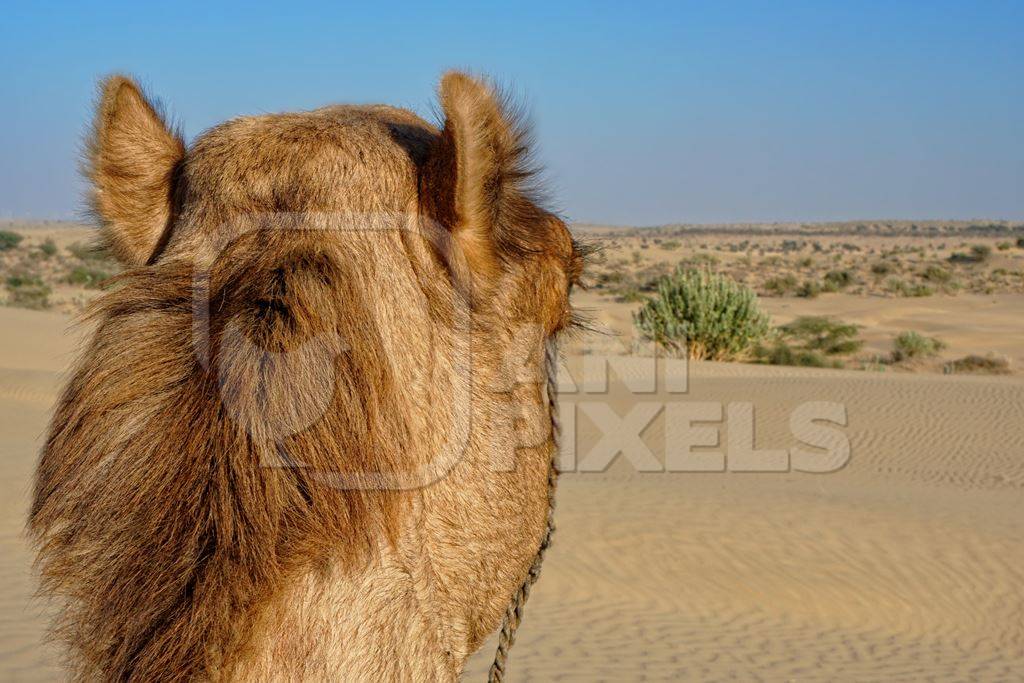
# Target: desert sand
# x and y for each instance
(906, 564)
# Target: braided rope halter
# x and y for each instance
(514, 612)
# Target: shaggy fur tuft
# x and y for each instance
(169, 516)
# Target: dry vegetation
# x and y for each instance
(51, 266)
(796, 263)
(882, 259)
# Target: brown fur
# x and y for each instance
(306, 287)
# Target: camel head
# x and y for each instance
(331, 323)
(440, 227)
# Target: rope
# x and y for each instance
(514, 613)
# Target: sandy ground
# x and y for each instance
(906, 564)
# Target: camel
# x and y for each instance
(311, 436)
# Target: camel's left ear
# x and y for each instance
(475, 176)
(132, 157)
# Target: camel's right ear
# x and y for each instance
(476, 176)
(132, 157)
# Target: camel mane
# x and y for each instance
(165, 516)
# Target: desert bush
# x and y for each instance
(700, 260)
(48, 248)
(629, 294)
(9, 240)
(919, 290)
(912, 344)
(936, 273)
(671, 245)
(781, 353)
(608, 278)
(1004, 246)
(809, 289)
(839, 279)
(900, 288)
(986, 365)
(88, 276)
(27, 291)
(780, 285)
(1020, 242)
(702, 314)
(883, 268)
(824, 334)
(978, 254)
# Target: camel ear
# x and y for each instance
(132, 157)
(477, 171)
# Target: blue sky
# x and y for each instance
(645, 114)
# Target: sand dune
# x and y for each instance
(906, 564)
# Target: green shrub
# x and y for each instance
(978, 254)
(911, 344)
(781, 285)
(609, 278)
(88, 276)
(937, 274)
(9, 240)
(1020, 242)
(881, 268)
(699, 260)
(702, 314)
(901, 288)
(48, 248)
(1004, 246)
(839, 279)
(809, 289)
(629, 295)
(27, 291)
(671, 245)
(824, 334)
(781, 353)
(985, 365)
